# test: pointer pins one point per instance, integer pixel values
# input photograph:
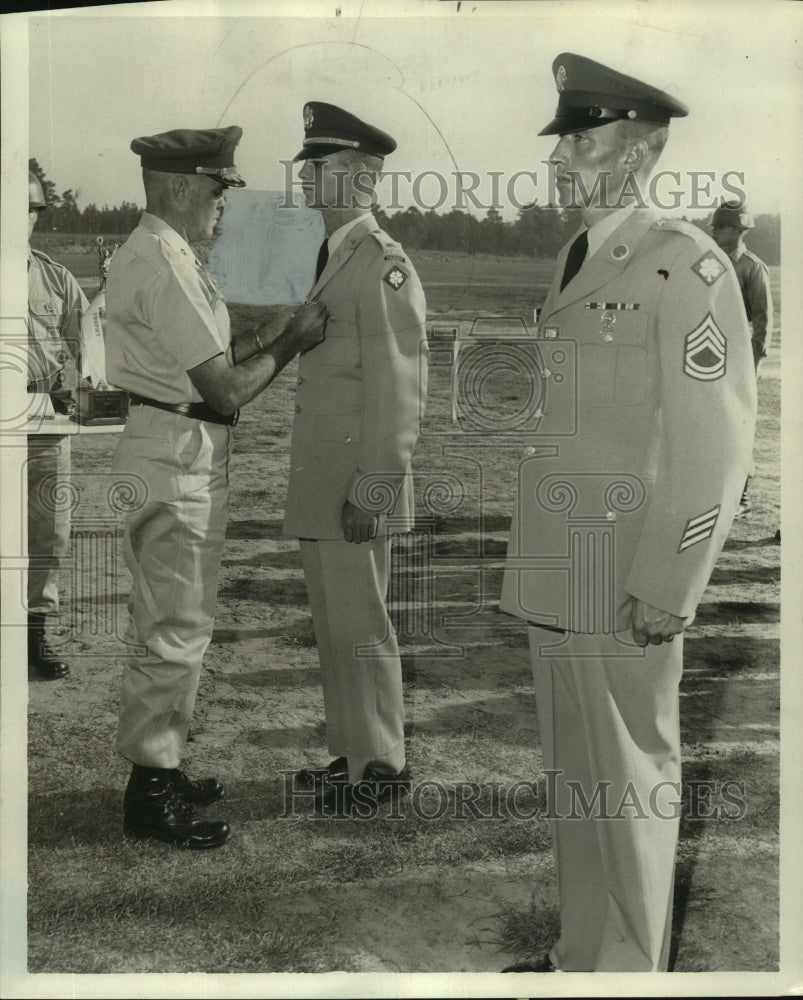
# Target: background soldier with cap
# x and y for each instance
(729, 224)
(168, 344)
(356, 424)
(617, 527)
(55, 307)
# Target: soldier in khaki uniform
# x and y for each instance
(168, 345)
(56, 305)
(729, 225)
(617, 527)
(356, 424)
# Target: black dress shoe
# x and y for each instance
(41, 657)
(309, 777)
(153, 810)
(335, 796)
(383, 786)
(544, 964)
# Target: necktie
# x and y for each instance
(575, 258)
(323, 257)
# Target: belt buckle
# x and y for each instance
(235, 418)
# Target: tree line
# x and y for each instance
(538, 231)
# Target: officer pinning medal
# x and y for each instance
(168, 345)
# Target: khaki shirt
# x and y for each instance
(754, 282)
(164, 315)
(55, 307)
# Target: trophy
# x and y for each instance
(98, 402)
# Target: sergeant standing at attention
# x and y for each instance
(729, 224)
(55, 308)
(359, 399)
(618, 526)
(167, 344)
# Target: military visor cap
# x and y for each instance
(192, 151)
(733, 213)
(591, 95)
(328, 129)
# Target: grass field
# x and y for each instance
(413, 891)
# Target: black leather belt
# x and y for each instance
(199, 411)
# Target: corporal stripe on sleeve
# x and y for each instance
(699, 528)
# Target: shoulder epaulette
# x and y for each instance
(683, 227)
(393, 250)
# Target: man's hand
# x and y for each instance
(651, 625)
(357, 524)
(306, 329)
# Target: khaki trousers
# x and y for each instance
(347, 584)
(49, 510)
(609, 725)
(178, 470)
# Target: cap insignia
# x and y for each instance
(560, 79)
(308, 116)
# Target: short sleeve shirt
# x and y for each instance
(164, 315)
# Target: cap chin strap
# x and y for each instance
(328, 141)
(227, 174)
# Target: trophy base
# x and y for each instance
(101, 406)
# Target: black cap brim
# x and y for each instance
(564, 125)
(315, 152)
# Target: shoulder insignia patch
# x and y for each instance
(395, 278)
(709, 267)
(705, 352)
(699, 528)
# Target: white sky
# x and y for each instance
(467, 90)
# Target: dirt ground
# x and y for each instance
(410, 894)
(470, 710)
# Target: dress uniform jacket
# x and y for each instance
(754, 281)
(360, 391)
(56, 305)
(359, 400)
(164, 317)
(639, 500)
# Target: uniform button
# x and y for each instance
(547, 373)
(529, 450)
(298, 409)
(347, 439)
(300, 380)
(610, 515)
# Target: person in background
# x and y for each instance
(56, 306)
(168, 345)
(358, 405)
(618, 526)
(729, 225)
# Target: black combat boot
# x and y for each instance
(152, 808)
(40, 656)
(202, 792)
